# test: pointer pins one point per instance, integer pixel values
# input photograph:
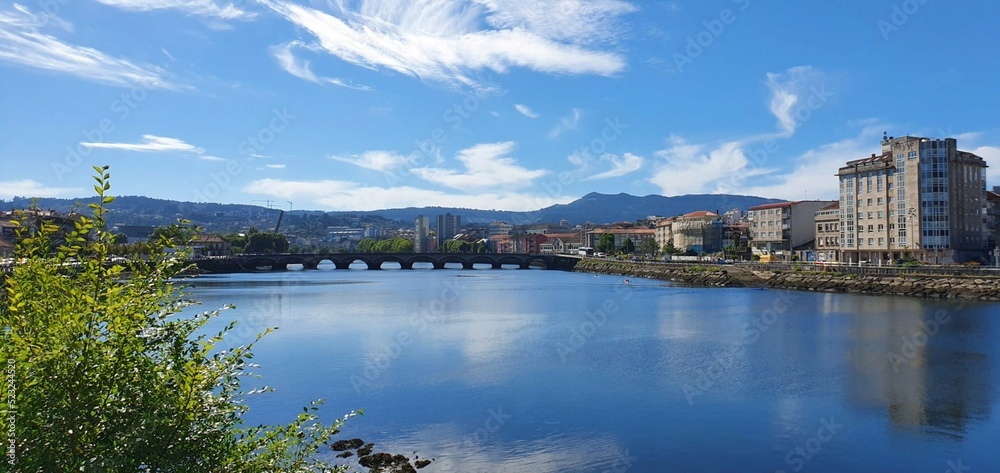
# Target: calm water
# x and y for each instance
(505, 370)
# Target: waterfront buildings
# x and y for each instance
(421, 234)
(920, 198)
(828, 233)
(621, 232)
(784, 229)
(448, 225)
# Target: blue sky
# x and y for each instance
(493, 104)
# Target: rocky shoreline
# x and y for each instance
(984, 288)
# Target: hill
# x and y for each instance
(593, 207)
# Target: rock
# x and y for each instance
(341, 445)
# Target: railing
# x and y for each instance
(866, 270)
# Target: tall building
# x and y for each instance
(784, 229)
(828, 233)
(421, 234)
(920, 199)
(448, 225)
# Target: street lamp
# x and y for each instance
(910, 213)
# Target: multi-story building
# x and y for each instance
(664, 232)
(448, 225)
(421, 234)
(921, 198)
(828, 233)
(500, 229)
(783, 229)
(638, 235)
(700, 232)
(993, 223)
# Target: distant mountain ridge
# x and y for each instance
(593, 207)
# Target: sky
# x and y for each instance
(488, 104)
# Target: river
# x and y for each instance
(533, 370)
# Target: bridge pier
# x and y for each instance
(468, 265)
(406, 265)
(497, 265)
(310, 265)
(342, 264)
(438, 264)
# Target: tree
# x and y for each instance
(107, 375)
(649, 247)
(606, 244)
(628, 246)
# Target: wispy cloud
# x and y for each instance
(486, 166)
(377, 160)
(620, 166)
(789, 90)
(567, 123)
(30, 188)
(726, 167)
(450, 41)
(23, 44)
(302, 69)
(275, 166)
(688, 168)
(346, 195)
(208, 8)
(817, 167)
(525, 110)
(150, 143)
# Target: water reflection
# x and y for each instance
(920, 364)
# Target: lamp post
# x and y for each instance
(910, 213)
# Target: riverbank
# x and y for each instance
(984, 288)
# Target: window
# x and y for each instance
(871, 228)
(880, 201)
(869, 202)
(911, 155)
(870, 215)
(880, 214)
(881, 241)
(871, 241)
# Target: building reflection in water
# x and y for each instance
(923, 364)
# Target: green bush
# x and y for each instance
(106, 376)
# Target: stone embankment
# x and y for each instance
(986, 288)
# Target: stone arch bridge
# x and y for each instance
(249, 263)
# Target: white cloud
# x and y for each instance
(687, 168)
(795, 95)
(209, 8)
(301, 68)
(452, 41)
(486, 166)
(620, 166)
(992, 156)
(206, 157)
(151, 143)
(525, 110)
(691, 169)
(30, 188)
(568, 123)
(345, 195)
(382, 161)
(275, 166)
(812, 174)
(22, 43)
